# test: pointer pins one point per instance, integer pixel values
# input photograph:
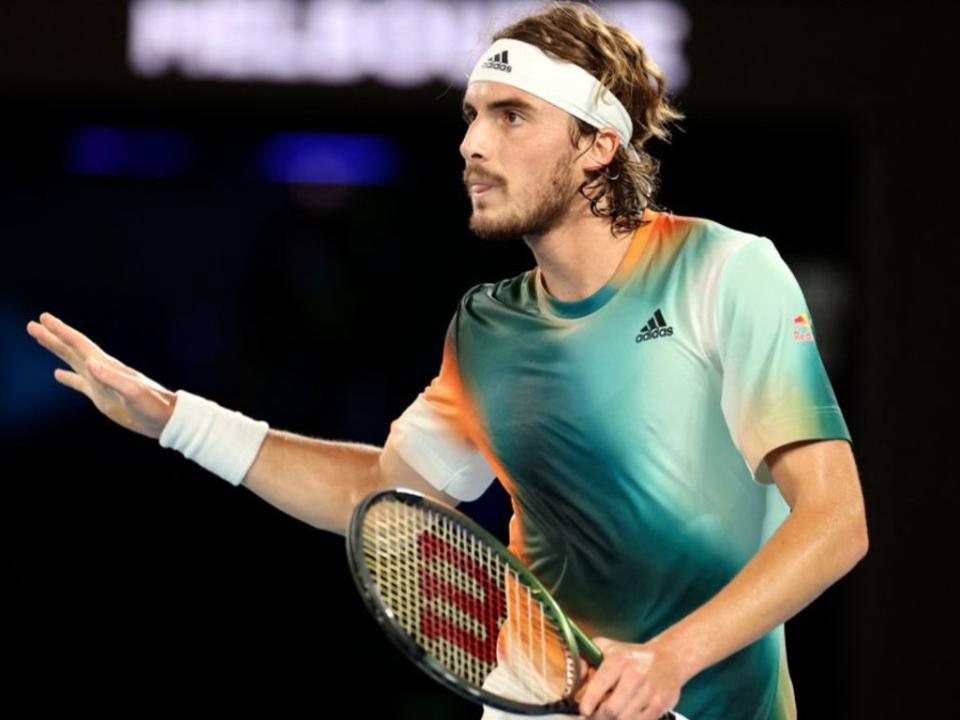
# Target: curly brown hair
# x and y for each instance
(576, 33)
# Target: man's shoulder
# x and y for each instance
(708, 232)
(706, 240)
(513, 291)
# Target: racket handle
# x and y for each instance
(590, 652)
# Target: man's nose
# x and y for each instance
(474, 143)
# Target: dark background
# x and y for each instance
(322, 310)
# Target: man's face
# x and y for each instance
(520, 173)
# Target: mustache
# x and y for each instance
(471, 177)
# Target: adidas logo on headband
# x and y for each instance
(499, 62)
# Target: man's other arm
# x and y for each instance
(321, 481)
(823, 538)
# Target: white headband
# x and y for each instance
(560, 83)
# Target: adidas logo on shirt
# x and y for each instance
(656, 327)
(499, 62)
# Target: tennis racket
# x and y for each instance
(463, 608)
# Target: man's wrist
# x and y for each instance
(679, 643)
(223, 441)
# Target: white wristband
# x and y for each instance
(223, 441)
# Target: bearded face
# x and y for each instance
(527, 206)
(520, 170)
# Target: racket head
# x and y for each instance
(453, 599)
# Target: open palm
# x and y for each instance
(124, 395)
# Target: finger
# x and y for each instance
(112, 362)
(653, 708)
(54, 344)
(586, 676)
(74, 339)
(602, 643)
(113, 378)
(599, 686)
(72, 380)
(630, 691)
(85, 344)
(640, 707)
(660, 706)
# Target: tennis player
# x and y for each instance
(650, 394)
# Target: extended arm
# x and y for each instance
(321, 481)
(317, 481)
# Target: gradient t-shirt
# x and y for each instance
(630, 428)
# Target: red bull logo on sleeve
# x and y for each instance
(802, 329)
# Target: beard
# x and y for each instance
(546, 212)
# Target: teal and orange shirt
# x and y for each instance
(630, 429)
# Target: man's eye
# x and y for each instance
(511, 114)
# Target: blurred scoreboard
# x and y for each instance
(399, 43)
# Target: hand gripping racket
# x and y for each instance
(463, 608)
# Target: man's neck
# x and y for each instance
(579, 257)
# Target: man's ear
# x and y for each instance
(602, 150)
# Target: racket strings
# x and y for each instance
(463, 604)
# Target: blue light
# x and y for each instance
(30, 397)
(114, 151)
(322, 158)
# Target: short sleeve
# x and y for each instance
(775, 388)
(431, 434)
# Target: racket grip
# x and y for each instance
(588, 650)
